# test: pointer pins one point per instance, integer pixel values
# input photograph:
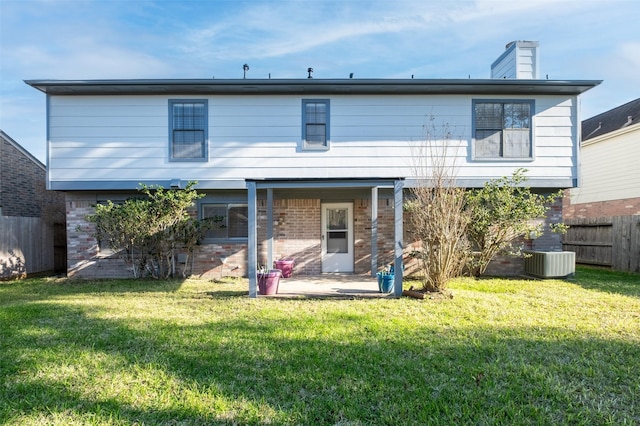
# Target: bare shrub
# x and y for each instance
(437, 209)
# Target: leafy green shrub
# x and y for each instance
(501, 211)
(149, 233)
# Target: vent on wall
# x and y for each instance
(548, 264)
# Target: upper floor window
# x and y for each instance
(315, 124)
(230, 221)
(502, 129)
(188, 130)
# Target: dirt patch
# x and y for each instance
(428, 295)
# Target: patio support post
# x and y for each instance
(269, 228)
(397, 215)
(374, 231)
(252, 239)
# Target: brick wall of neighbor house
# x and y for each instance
(623, 207)
(23, 194)
(23, 189)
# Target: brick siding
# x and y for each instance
(297, 235)
(23, 187)
(624, 207)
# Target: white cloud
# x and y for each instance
(270, 32)
(628, 58)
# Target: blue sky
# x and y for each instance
(96, 39)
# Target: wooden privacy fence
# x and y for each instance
(609, 241)
(26, 246)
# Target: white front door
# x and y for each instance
(337, 237)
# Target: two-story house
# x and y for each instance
(604, 210)
(314, 169)
(610, 177)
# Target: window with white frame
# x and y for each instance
(502, 129)
(229, 221)
(188, 130)
(315, 124)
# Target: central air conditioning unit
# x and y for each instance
(550, 264)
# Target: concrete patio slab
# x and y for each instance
(329, 285)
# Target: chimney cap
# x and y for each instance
(528, 43)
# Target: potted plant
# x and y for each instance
(386, 280)
(268, 281)
(286, 266)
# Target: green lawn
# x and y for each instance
(198, 352)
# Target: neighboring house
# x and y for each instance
(32, 223)
(603, 212)
(312, 169)
(609, 182)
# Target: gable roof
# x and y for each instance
(19, 147)
(612, 120)
(313, 86)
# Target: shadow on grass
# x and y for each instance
(338, 370)
(606, 280)
(226, 294)
(44, 288)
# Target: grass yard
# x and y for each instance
(196, 352)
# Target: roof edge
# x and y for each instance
(293, 86)
(23, 150)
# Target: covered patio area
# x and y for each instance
(346, 286)
(323, 232)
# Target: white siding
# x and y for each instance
(609, 168)
(527, 62)
(506, 68)
(125, 138)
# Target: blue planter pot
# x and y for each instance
(385, 282)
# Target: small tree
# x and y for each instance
(148, 233)
(437, 211)
(503, 210)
